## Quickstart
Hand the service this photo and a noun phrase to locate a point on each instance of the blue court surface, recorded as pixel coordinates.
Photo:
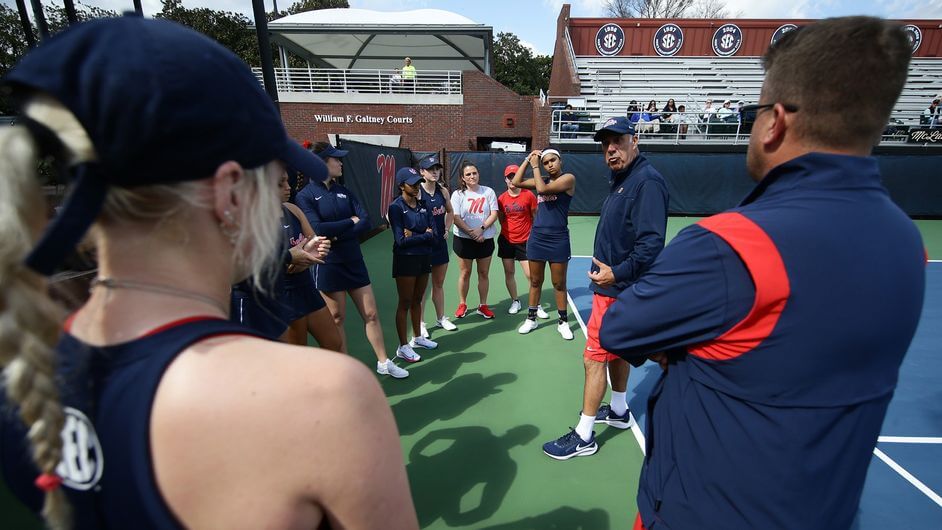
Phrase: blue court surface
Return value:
(904, 482)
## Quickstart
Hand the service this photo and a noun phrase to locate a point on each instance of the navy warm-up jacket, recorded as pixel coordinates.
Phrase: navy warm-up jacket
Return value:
(785, 321)
(329, 212)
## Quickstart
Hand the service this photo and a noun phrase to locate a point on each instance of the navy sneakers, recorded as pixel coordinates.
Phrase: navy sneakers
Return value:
(607, 416)
(570, 445)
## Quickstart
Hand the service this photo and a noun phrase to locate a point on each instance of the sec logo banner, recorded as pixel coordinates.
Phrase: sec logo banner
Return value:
(915, 36)
(727, 40)
(610, 39)
(781, 32)
(668, 40)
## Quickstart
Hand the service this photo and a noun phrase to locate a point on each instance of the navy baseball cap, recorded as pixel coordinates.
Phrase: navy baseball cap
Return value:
(617, 125)
(332, 152)
(409, 176)
(430, 162)
(161, 103)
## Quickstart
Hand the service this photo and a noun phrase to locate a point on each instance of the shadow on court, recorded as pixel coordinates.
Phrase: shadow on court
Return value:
(437, 366)
(565, 518)
(461, 475)
(449, 401)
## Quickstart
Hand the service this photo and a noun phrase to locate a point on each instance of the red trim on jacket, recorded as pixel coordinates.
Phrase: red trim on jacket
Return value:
(764, 263)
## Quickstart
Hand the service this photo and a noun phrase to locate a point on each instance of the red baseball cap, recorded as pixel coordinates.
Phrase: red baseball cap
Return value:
(511, 170)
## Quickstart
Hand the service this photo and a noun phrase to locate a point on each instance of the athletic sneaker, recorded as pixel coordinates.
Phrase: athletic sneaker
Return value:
(446, 324)
(390, 368)
(485, 311)
(607, 416)
(542, 314)
(422, 342)
(570, 445)
(406, 353)
(514, 307)
(423, 330)
(563, 329)
(527, 326)
(461, 311)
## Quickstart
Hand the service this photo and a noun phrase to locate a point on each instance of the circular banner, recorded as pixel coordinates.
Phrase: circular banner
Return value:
(727, 40)
(668, 40)
(610, 39)
(781, 31)
(915, 36)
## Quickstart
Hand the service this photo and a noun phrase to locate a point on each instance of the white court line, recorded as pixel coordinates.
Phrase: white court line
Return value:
(930, 261)
(909, 440)
(908, 476)
(635, 428)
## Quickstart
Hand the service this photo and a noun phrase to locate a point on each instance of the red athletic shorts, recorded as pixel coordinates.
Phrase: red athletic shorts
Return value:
(638, 524)
(593, 350)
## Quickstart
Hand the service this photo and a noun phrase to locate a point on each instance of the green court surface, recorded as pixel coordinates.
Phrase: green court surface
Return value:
(474, 412)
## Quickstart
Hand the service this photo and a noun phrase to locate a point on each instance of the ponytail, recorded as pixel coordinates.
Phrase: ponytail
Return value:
(29, 319)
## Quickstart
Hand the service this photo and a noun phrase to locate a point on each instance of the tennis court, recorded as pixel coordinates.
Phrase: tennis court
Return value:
(474, 414)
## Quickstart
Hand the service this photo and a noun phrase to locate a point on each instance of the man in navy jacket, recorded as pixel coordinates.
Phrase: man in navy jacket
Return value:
(630, 234)
(781, 324)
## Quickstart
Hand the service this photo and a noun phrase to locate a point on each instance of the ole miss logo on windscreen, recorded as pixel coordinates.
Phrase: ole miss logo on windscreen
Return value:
(386, 168)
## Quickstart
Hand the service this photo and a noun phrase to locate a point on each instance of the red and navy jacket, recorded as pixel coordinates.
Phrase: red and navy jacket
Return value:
(329, 211)
(785, 321)
(630, 233)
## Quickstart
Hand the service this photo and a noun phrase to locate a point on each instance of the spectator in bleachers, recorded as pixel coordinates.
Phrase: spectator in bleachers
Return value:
(669, 109)
(932, 116)
(650, 120)
(633, 112)
(739, 107)
(707, 112)
(725, 113)
(569, 123)
(683, 121)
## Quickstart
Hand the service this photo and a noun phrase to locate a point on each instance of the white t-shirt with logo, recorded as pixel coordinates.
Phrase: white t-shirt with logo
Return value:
(473, 207)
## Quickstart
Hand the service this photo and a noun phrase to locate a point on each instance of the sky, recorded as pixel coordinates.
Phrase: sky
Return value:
(534, 21)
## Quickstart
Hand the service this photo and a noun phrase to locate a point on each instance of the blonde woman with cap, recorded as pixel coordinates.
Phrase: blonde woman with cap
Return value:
(549, 238)
(438, 199)
(150, 409)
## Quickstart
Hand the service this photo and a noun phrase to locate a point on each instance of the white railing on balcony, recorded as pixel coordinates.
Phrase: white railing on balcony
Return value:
(364, 81)
(575, 126)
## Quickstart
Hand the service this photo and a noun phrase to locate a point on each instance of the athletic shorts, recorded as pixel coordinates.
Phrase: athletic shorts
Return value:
(549, 246)
(467, 248)
(302, 302)
(593, 350)
(347, 276)
(508, 250)
(410, 265)
(440, 253)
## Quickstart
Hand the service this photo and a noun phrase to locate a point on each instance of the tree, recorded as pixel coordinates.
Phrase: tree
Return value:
(225, 27)
(666, 8)
(517, 68)
(310, 5)
(13, 42)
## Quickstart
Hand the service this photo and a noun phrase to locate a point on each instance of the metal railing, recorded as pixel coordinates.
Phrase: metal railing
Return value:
(365, 81)
(573, 126)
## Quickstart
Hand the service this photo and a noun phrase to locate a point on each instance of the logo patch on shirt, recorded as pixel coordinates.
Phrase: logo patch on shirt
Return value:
(82, 460)
(341, 196)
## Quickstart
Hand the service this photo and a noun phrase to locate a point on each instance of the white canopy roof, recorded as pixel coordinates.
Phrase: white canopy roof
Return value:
(361, 38)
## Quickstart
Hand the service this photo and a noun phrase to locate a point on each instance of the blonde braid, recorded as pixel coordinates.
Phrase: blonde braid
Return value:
(29, 319)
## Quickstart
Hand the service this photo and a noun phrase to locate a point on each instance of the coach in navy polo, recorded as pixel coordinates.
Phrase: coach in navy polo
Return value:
(630, 234)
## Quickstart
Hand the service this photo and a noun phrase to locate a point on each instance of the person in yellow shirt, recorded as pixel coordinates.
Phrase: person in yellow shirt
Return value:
(408, 75)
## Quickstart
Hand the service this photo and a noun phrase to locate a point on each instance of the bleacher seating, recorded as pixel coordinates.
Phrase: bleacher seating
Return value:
(609, 83)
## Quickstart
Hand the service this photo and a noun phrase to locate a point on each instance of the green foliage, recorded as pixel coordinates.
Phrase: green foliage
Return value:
(13, 44)
(310, 5)
(227, 28)
(517, 68)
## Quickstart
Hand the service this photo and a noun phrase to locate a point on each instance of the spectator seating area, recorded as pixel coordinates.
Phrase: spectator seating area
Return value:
(608, 84)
